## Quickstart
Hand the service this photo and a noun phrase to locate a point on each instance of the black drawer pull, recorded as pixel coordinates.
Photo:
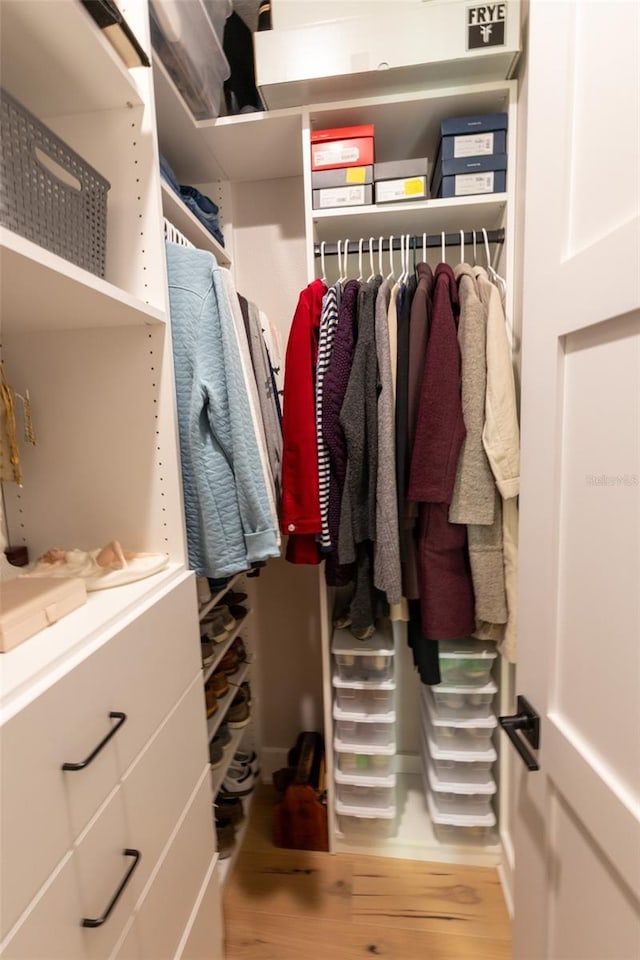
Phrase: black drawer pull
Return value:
(114, 715)
(97, 922)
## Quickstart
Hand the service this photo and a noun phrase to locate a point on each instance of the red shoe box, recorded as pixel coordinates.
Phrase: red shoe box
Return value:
(342, 147)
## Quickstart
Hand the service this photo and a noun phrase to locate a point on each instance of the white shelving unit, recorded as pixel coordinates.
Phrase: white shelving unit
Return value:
(224, 646)
(224, 702)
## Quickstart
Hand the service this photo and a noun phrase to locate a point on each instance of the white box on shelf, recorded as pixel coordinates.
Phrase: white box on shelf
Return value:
(464, 799)
(365, 759)
(468, 734)
(364, 698)
(466, 662)
(365, 791)
(364, 824)
(456, 702)
(364, 660)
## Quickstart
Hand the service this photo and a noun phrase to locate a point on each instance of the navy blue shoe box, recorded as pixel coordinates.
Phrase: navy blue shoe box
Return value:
(472, 158)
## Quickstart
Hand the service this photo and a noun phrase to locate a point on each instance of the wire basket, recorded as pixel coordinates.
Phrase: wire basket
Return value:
(48, 193)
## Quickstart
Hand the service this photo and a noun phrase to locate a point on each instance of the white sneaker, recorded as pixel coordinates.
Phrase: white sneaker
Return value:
(238, 782)
(246, 759)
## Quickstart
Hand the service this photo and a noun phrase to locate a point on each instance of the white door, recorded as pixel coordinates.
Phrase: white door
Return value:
(577, 833)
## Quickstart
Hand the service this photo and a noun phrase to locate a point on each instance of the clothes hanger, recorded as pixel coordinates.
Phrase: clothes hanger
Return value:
(360, 243)
(475, 250)
(392, 272)
(424, 248)
(346, 260)
(444, 255)
(322, 263)
(493, 274)
(462, 246)
(380, 242)
(339, 245)
(371, 263)
(413, 247)
(403, 258)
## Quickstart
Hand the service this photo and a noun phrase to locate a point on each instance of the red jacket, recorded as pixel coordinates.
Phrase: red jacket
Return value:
(300, 492)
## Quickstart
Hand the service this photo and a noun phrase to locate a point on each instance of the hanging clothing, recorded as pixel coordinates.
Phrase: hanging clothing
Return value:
(359, 420)
(419, 323)
(475, 498)
(446, 590)
(335, 387)
(387, 546)
(300, 488)
(266, 396)
(274, 350)
(229, 518)
(328, 324)
(501, 438)
(402, 407)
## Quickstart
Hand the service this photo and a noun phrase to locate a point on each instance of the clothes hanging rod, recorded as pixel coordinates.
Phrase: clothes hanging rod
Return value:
(433, 240)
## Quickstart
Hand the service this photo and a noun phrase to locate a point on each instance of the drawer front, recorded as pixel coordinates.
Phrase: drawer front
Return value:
(150, 663)
(206, 937)
(129, 948)
(51, 930)
(142, 672)
(164, 914)
(101, 868)
(157, 788)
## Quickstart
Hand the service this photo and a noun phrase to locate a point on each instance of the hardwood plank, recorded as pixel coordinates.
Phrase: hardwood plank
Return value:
(290, 883)
(425, 897)
(255, 935)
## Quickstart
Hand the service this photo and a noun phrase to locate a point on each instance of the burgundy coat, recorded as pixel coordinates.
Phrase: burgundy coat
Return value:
(446, 589)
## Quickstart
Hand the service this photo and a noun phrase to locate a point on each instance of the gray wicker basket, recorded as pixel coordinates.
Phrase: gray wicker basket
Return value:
(36, 203)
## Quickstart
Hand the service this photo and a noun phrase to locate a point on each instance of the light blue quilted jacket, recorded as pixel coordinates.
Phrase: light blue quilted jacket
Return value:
(228, 516)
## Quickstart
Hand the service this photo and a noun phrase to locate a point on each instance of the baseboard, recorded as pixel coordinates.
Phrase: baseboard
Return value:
(272, 759)
(506, 870)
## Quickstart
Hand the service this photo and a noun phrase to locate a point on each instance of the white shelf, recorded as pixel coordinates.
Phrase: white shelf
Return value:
(37, 663)
(235, 681)
(188, 224)
(423, 216)
(56, 60)
(224, 646)
(41, 291)
(218, 775)
(415, 839)
(256, 146)
(226, 866)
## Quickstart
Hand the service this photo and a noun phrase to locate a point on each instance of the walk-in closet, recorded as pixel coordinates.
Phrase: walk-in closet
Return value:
(164, 228)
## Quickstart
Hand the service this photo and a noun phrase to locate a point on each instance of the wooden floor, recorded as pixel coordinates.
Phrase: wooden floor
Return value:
(290, 905)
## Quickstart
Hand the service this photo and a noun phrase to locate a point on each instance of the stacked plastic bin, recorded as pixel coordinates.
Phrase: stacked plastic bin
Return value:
(457, 727)
(364, 735)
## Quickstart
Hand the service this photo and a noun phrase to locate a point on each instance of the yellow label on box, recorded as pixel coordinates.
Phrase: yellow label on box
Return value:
(411, 187)
(356, 175)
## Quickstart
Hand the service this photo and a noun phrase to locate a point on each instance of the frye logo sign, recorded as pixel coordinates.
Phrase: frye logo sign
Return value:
(485, 25)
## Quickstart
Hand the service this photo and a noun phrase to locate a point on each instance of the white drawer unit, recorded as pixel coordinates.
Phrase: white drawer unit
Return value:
(202, 940)
(98, 771)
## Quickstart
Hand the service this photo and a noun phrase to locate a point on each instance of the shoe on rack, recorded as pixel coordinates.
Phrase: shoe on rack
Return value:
(239, 649)
(363, 633)
(237, 611)
(213, 630)
(230, 663)
(247, 691)
(211, 701)
(231, 597)
(223, 734)
(228, 809)
(238, 782)
(222, 614)
(218, 684)
(216, 584)
(208, 652)
(247, 758)
(239, 713)
(226, 836)
(204, 592)
(216, 753)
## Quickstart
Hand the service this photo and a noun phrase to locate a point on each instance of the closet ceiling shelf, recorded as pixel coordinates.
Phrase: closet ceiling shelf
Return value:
(42, 291)
(256, 146)
(425, 216)
(56, 61)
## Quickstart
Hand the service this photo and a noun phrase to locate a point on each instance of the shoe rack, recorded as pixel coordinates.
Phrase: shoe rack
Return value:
(241, 737)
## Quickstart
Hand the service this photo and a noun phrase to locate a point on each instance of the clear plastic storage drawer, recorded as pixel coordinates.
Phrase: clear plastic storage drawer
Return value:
(456, 766)
(357, 697)
(448, 734)
(363, 791)
(369, 761)
(365, 661)
(466, 662)
(461, 829)
(461, 799)
(464, 702)
(362, 825)
(356, 730)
